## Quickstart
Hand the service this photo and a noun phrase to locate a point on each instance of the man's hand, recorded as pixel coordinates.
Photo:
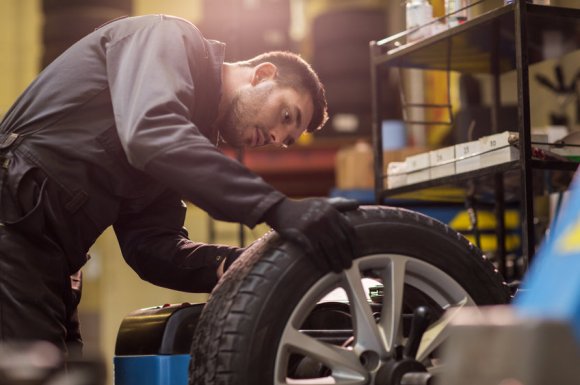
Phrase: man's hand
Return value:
(228, 260)
(319, 228)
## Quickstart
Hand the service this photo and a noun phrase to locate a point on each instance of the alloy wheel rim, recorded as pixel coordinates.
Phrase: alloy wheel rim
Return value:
(374, 341)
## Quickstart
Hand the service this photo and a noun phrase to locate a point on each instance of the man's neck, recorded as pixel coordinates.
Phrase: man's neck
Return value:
(233, 77)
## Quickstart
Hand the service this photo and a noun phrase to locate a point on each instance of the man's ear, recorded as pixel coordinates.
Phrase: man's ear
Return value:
(264, 71)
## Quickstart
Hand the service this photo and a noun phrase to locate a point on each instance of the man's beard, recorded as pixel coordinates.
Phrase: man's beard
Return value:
(229, 125)
(241, 111)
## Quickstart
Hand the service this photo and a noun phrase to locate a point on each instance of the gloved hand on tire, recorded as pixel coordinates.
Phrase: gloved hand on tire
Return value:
(229, 259)
(317, 225)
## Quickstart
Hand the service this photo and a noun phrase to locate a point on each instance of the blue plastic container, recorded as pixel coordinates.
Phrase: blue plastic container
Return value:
(153, 345)
(152, 370)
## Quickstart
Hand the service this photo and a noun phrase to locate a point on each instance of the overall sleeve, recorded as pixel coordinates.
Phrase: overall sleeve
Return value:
(156, 246)
(151, 77)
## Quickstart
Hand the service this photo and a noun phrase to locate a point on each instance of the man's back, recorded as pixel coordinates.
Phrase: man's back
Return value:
(69, 131)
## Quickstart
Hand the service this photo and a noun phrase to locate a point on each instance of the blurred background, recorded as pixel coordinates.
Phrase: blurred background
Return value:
(333, 35)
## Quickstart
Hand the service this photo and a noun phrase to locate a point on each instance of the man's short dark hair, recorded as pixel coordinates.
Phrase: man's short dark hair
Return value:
(295, 72)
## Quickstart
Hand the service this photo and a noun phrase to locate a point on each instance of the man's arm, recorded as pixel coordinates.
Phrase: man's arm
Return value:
(155, 245)
(152, 87)
(152, 80)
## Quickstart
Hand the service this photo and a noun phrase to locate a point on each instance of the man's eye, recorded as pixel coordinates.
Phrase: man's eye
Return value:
(288, 142)
(286, 116)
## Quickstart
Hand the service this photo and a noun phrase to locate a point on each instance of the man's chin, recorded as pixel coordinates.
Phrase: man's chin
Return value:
(234, 144)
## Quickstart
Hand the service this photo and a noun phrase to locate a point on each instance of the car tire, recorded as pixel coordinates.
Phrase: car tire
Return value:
(251, 326)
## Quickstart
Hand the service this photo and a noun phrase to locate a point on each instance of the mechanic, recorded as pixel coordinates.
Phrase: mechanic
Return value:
(117, 131)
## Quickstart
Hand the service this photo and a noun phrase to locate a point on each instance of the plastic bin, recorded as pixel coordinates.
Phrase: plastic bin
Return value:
(153, 345)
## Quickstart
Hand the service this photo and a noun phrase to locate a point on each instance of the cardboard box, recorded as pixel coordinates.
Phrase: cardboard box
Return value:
(354, 167)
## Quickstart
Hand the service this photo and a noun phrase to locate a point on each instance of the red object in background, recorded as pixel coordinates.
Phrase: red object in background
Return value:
(298, 171)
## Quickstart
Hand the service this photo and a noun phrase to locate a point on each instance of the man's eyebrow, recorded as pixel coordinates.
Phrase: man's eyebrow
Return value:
(298, 117)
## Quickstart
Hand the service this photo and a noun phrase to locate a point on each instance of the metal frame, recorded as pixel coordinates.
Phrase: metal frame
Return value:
(387, 53)
(521, 30)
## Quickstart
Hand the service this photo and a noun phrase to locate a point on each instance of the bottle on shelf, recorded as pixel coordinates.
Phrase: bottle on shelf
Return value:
(418, 13)
(456, 11)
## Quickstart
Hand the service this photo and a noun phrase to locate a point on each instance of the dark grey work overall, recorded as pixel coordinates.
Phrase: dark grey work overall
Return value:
(116, 132)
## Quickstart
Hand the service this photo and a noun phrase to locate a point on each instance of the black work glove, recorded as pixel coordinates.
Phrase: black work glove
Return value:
(325, 234)
(232, 256)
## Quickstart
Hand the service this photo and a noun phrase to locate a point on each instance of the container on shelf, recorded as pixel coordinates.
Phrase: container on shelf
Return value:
(468, 156)
(417, 168)
(498, 148)
(456, 11)
(442, 162)
(396, 174)
(418, 13)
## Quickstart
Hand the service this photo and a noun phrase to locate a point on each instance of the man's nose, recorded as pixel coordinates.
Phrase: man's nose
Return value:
(276, 137)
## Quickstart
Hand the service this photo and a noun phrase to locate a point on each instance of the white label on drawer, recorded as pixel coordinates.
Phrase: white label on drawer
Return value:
(466, 150)
(492, 142)
(442, 156)
(417, 162)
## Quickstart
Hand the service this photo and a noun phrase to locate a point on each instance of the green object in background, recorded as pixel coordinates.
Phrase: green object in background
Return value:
(376, 293)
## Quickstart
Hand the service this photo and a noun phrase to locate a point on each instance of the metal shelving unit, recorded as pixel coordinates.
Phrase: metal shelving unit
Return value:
(509, 38)
(452, 179)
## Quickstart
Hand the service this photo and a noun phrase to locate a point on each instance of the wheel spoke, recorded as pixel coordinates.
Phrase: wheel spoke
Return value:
(310, 381)
(366, 331)
(383, 336)
(438, 332)
(344, 364)
(322, 381)
(391, 314)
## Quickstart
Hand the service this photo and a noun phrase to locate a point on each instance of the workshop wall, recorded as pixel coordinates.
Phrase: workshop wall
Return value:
(20, 29)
